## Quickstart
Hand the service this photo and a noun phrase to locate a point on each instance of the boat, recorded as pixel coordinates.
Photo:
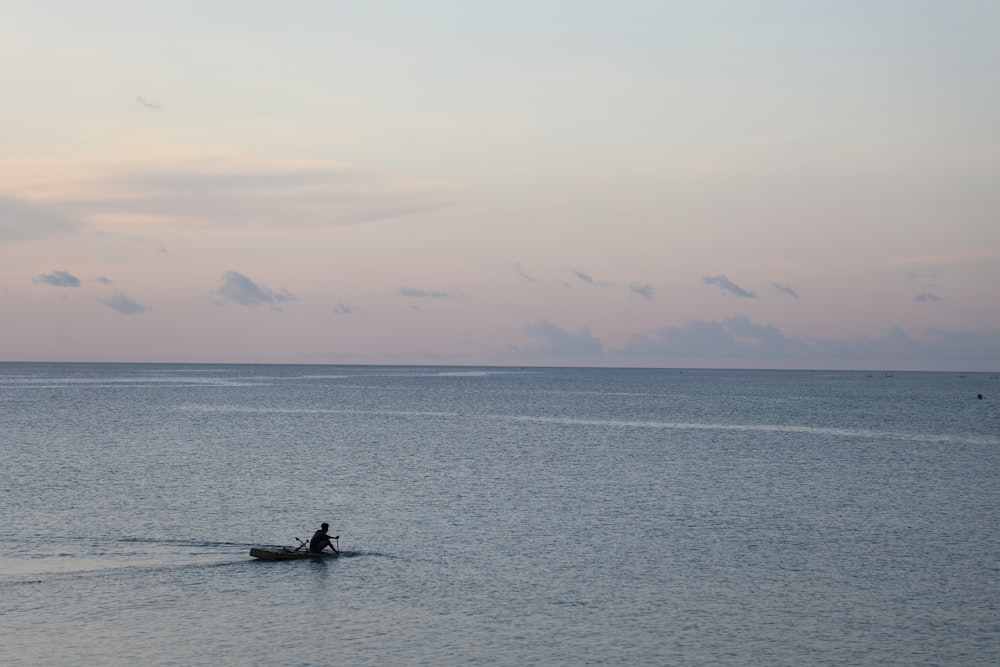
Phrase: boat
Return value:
(298, 553)
(284, 553)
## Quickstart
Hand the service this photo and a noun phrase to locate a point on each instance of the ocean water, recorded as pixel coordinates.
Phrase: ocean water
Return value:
(498, 516)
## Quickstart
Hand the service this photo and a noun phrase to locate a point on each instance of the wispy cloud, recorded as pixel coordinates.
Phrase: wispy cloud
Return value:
(589, 280)
(124, 304)
(521, 272)
(21, 221)
(344, 309)
(148, 104)
(237, 288)
(289, 195)
(157, 247)
(57, 279)
(726, 285)
(928, 283)
(645, 291)
(423, 294)
(785, 290)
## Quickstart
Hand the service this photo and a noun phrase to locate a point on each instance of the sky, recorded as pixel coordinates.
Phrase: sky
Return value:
(794, 184)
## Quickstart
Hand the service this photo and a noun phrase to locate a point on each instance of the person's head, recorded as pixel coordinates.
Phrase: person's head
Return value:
(325, 527)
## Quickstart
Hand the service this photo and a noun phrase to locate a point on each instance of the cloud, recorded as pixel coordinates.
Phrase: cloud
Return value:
(556, 341)
(960, 346)
(735, 337)
(20, 221)
(124, 304)
(285, 195)
(935, 345)
(423, 294)
(785, 290)
(157, 246)
(645, 291)
(740, 341)
(57, 279)
(590, 281)
(521, 272)
(239, 289)
(148, 104)
(928, 282)
(344, 309)
(726, 285)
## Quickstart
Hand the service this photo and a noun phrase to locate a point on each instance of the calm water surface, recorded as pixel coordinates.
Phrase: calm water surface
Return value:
(498, 516)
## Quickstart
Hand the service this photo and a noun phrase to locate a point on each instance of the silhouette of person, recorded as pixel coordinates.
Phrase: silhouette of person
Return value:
(320, 540)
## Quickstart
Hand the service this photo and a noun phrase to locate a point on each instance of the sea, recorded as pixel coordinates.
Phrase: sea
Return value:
(498, 516)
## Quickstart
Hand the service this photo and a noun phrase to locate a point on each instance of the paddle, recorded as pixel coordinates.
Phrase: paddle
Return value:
(303, 543)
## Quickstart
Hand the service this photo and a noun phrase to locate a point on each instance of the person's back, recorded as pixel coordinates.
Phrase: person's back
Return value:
(320, 540)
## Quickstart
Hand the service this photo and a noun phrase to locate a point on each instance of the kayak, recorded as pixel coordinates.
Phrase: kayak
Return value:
(284, 553)
(298, 553)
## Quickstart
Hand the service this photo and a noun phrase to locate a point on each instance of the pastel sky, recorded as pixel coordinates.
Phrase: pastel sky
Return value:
(690, 183)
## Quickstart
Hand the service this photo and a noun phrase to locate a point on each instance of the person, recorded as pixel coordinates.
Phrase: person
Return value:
(320, 540)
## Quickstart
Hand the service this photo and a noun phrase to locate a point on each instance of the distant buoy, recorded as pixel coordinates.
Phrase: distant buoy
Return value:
(980, 397)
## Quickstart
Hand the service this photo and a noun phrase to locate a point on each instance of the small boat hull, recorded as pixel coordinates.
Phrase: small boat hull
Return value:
(282, 553)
